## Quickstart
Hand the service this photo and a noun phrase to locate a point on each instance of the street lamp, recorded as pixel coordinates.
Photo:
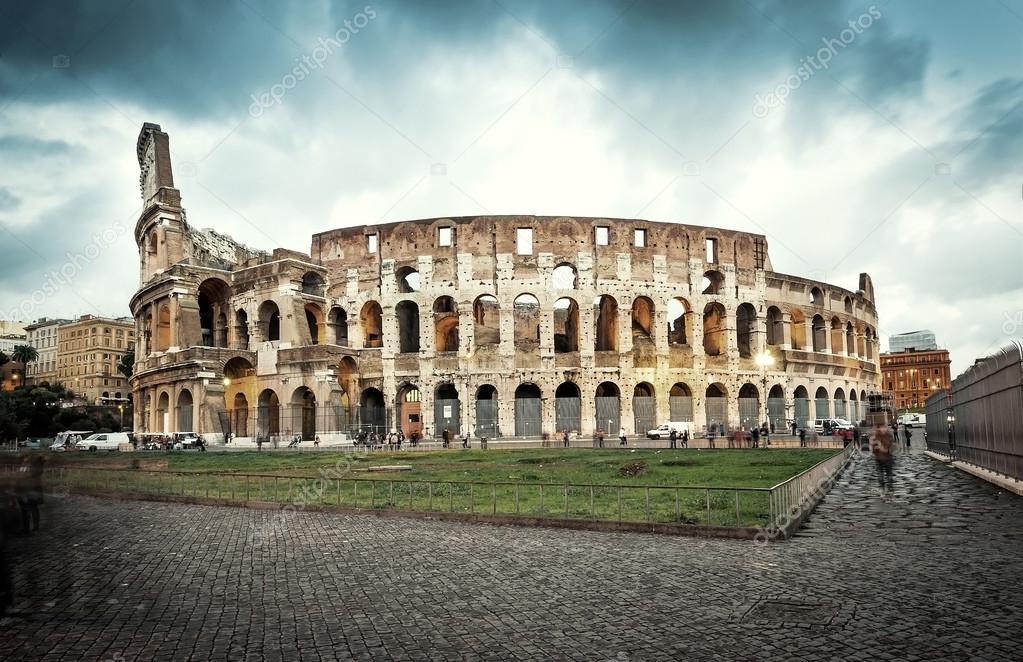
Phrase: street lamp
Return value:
(227, 381)
(765, 361)
(120, 408)
(950, 417)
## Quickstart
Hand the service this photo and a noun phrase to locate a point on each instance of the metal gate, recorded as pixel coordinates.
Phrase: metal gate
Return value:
(527, 417)
(446, 417)
(486, 419)
(802, 411)
(776, 413)
(681, 408)
(567, 414)
(185, 418)
(821, 407)
(607, 415)
(644, 414)
(839, 408)
(372, 418)
(749, 413)
(717, 414)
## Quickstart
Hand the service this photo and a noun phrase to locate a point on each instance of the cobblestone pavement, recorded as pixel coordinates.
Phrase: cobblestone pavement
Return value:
(936, 573)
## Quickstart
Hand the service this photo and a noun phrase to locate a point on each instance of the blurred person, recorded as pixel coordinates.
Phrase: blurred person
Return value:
(673, 439)
(30, 492)
(881, 443)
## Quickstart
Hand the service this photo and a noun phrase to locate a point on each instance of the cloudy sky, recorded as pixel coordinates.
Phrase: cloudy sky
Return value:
(894, 146)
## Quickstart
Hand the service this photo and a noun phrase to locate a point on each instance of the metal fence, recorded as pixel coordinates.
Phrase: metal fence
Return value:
(749, 413)
(607, 415)
(938, 411)
(681, 408)
(802, 411)
(644, 413)
(987, 413)
(567, 414)
(528, 421)
(771, 509)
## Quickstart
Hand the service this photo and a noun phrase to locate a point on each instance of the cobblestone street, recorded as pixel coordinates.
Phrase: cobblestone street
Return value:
(937, 573)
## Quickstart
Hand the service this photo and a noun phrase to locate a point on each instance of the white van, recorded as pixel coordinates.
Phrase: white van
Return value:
(664, 430)
(913, 420)
(103, 441)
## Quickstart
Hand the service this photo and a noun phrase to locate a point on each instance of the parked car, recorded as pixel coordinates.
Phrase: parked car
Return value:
(103, 441)
(913, 420)
(185, 440)
(664, 430)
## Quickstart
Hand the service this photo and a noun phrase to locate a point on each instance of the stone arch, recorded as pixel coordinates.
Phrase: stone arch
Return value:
(816, 297)
(372, 411)
(408, 280)
(314, 320)
(163, 412)
(184, 411)
(527, 319)
(486, 317)
(214, 300)
(713, 282)
(822, 404)
(714, 329)
(680, 403)
(337, 325)
(607, 408)
(840, 405)
(605, 319)
(837, 335)
(313, 284)
(848, 304)
(407, 314)
(775, 326)
(566, 325)
(680, 322)
(445, 324)
(238, 367)
(565, 277)
(567, 408)
(487, 411)
(303, 413)
(269, 321)
(745, 329)
(239, 415)
(850, 339)
(749, 406)
(372, 325)
(798, 330)
(644, 408)
(268, 414)
(348, 374)
(241, 329)
(163, 328)
(716, 408)
(819, 330)
(409, 409)
(528, 412)
(642, 317)
(447, 408)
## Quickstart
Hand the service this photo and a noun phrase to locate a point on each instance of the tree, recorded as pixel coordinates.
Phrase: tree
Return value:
(24, 354)
(127, 364)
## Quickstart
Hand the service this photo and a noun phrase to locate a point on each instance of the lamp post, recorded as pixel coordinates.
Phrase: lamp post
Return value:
(950, 417)
(765, 361)
(120, 408)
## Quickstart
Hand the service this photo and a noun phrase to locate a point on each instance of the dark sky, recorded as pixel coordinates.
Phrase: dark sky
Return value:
(896, 149)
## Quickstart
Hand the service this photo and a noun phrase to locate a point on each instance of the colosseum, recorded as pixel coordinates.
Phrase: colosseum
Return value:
(494, 326)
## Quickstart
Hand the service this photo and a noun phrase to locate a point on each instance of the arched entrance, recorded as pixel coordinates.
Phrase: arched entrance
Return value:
(680, 404)
(185, 411)
(163, 413)
(749, 407)
(840, 403)
(567, 408)
(776, 407)
(486, 411)
(802, 404)
(644, 408)
(268, 415)
(716, 405)
(410, 417)
(527, 410)
(446, 411)
(303, 413)
(372, 412)
(821, 404)
(240, 415)
(607, 409)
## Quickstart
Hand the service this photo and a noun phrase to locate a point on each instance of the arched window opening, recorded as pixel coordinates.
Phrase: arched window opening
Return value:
(407, 313)
(798, 330)
(372, 327)
(680, 322)
(314, 320)
(337, 323)
(214, 299)
(565, 277)
(270, 321)
(816, 297)
(445, 324)
(312, 283)
(713, 282)
(714, 329)
(837, 336)
(486, 317)
(566, 326)
(745, 329)
(408, 279)
(527, 320)
(775, 326)
(605, 335)
(642, 317)
(241, 329)
(820, 331)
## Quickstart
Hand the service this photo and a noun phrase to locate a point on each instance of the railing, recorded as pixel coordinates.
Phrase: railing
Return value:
(938, 424)
(793, 500)
(740, 507)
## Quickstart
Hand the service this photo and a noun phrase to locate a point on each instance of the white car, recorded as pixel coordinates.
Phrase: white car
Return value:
(103, 441)
(913, 420)
(664, 430)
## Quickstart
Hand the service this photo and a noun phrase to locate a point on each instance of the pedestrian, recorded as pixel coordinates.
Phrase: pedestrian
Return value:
(483, 443)
(710, 434)
(600, 438)
(673, 439)
(765, 434)
(445, 438)
(201, 443)
(794, 428)
(909, 435)
(755, 434)
(316, 442)
(29, 492)
(564, 438)
(259, 443)
(622, 440)
(881, 443)
(685, 439)
(466, 443)
(802, 437)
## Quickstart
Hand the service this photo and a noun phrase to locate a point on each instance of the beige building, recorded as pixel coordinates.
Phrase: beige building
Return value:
(489, 325)
(42, 334)
(88, 351)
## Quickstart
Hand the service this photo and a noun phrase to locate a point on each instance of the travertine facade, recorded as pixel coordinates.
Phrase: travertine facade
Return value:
(492, 325)
(88, 352)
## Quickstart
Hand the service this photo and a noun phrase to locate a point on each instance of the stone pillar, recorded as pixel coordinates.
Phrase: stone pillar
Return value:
(786, 331)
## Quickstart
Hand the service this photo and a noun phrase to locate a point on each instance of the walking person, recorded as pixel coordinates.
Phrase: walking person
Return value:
(446, 438)
(685, 439)
(316, 442)
(673, 439)
(755, 435)
(881, 443)
(908, 434)
(622, 440)
(802, 437)
(564, 438)
(600, 438)
(794, 426)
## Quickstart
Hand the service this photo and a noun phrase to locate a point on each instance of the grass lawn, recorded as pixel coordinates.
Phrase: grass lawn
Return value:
(533, 482)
